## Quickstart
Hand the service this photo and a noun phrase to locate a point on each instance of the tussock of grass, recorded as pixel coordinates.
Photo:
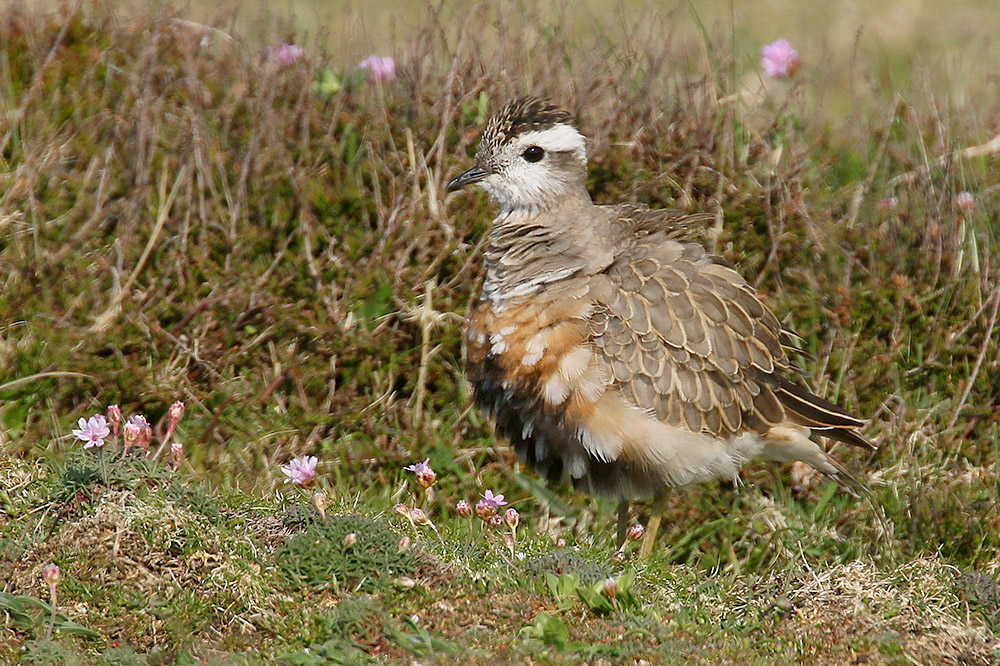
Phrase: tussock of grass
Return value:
(320, 557)
(180, 217)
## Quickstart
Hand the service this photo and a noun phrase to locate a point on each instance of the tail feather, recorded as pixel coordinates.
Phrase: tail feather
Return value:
(819, 414)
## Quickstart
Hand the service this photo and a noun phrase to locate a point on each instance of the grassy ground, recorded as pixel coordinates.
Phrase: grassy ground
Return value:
(181, 218)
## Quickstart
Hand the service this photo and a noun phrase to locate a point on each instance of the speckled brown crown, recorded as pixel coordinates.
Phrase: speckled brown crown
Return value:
(525, 114)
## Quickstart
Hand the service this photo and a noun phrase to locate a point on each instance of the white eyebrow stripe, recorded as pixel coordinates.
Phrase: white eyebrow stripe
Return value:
(557, 139)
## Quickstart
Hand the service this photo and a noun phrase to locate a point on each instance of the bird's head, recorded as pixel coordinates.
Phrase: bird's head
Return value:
(530, 157)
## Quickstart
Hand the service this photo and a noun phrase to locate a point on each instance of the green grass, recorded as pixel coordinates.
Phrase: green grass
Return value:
(181, 219)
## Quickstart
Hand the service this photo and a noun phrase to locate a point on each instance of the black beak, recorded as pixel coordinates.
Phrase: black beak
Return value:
(473, 175)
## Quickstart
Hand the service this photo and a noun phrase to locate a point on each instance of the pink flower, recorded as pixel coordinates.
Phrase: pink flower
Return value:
(425, 475)
(495, 500)
(965, 200)
(779, 59)
(485, 510)
(286, 54)
(137, 431)
(93, 430)
(486, 507)
(380, 68)
(300, 471)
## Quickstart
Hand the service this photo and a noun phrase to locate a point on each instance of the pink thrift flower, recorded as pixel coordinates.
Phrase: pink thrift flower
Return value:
(485, 510)
(779, 59)
(137, 431)
(463, 509)
(93, 430)
(495, 500)
(425, 475)
(286, 54)
(380, 68)
(965, 200)
(300, 471)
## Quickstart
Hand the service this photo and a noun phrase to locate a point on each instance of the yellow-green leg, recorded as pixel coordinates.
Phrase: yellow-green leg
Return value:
(655, 516)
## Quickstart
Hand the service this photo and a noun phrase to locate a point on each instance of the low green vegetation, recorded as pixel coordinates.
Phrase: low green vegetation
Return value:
(190, 214)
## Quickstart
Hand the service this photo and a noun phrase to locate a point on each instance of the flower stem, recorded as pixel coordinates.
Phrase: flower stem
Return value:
(52, 616)
(104, 469)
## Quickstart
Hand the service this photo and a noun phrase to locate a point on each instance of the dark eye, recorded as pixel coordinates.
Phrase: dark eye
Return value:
(533, 153)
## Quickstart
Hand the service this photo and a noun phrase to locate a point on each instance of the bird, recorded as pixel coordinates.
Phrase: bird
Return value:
(611, 348)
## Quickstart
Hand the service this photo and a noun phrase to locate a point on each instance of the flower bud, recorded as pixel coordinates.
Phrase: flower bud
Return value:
(508, 541)
(404, 543)
(965, 200)
(51, 574)
(350, 540)
(319, 501)
(463, 509)
(512, 518)
(635, 532)
(560, 543)
(419, 516)
(618, 556)
(176, 411)
(401, 510)
(114, 415)
(496, 520)
(406, 582)
(610, 588)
